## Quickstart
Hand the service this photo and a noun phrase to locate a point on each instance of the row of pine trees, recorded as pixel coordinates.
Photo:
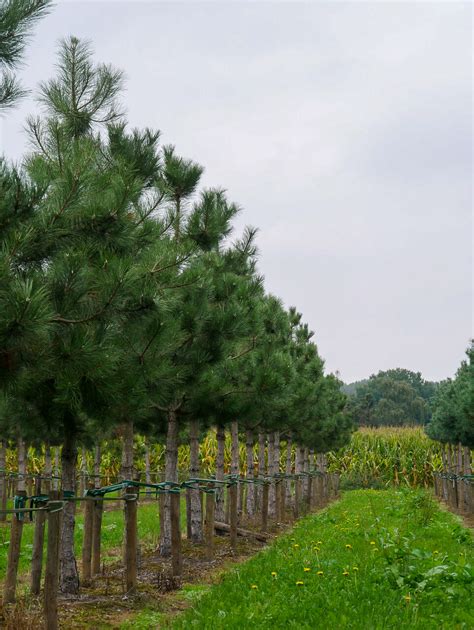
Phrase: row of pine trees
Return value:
(127, 303)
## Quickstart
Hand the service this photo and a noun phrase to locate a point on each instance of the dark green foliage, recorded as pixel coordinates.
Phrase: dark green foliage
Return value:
(453, 414)
(124, 299)
(393, 398)
(17, 17)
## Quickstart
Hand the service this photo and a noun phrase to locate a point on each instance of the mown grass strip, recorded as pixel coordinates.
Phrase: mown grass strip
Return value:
(376, 559)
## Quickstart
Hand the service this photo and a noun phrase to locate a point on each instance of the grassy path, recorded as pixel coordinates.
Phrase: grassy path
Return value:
(375, 560)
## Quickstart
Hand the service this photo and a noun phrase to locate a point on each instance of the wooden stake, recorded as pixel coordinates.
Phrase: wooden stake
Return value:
(130, 541)
(460, 485)
(3, 480)
(87, 542)
(176, 556)
(37, 554)
(264, 507)
(234, 515)
(51, 580)
(309, 493)
(282, 501)
(9, 590)
(297, 497)
(209, 525)
(278, 485)
(98, 511)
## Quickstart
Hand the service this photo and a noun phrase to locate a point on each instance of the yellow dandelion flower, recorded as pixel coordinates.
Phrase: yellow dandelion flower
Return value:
(254, 586)
(348, 546)
(299, 583)
(345, 573)
(296, 546)
(320, 542)
(435, 553)
(306, 569)
(320, 573)
(355, 568)
(316, 549)
(274, 573)
(407, 598)
(372, 542)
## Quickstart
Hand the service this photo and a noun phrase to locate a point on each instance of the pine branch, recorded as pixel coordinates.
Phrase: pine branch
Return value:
(244, 352)
(170, 265)
(62, 320)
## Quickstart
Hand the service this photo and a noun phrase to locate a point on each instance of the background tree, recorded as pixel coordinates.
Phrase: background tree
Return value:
(395, 397)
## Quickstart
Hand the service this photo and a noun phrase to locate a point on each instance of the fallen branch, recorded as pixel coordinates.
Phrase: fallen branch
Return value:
(223, 527)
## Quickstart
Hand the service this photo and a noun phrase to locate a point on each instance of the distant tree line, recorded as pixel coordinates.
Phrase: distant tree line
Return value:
(395, 397)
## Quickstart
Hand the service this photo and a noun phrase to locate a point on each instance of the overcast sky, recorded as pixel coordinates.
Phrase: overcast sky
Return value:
(344, 130)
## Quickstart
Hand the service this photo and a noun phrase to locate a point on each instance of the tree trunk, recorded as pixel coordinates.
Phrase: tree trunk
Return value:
(194, 494)
(261, 466)
(276, 471)
(469, 488)
(459, 482)
(234, 450)
(306, 478)
(271, 472)
(234, 489)
(312, 479)
(298, 484)
(83, 476)
(14, 548)
(3, 479)
(250, 507)
(127, 451)
(68, 574)
(288, 471)
(220, 509)
(171, 474)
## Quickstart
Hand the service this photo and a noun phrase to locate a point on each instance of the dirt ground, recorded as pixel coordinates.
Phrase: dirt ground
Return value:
(105, 605)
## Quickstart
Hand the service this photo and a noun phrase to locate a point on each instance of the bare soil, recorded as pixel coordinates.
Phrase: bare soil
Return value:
(105, 605)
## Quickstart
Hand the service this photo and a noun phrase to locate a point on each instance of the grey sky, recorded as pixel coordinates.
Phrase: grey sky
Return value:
(344, 131)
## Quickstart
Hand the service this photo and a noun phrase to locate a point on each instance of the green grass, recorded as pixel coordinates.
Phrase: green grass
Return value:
(388, 559)
(112, 535)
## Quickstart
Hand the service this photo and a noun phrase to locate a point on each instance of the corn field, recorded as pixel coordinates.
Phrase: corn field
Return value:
(383, 456)
(374, 457)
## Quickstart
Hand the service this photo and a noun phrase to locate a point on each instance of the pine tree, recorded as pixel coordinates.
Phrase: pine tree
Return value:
(453, 415)
(17, 18)
(81, 241)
